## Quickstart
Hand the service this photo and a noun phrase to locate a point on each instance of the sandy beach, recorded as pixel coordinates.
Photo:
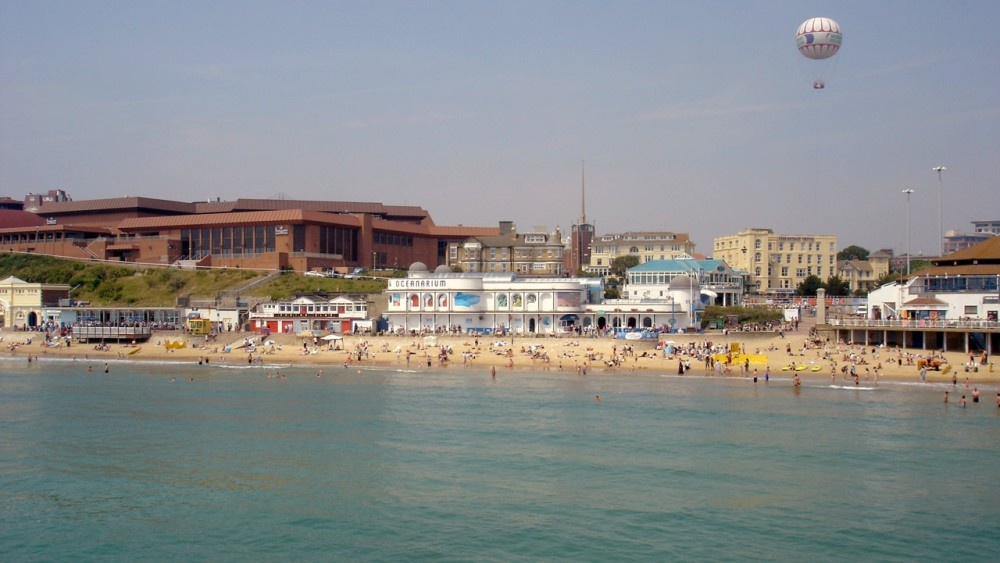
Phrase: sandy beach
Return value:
(783, 355)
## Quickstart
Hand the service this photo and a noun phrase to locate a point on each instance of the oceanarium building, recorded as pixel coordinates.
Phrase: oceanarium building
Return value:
(489, 303)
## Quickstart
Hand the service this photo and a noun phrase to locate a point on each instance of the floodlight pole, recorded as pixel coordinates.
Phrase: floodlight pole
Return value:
(939, 170)
(907, 192)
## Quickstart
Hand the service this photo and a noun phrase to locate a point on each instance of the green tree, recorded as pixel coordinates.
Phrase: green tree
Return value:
(837, 287)
(917, 265)
(853, 252)
(888, 278)
(622, 263)
(809, 286)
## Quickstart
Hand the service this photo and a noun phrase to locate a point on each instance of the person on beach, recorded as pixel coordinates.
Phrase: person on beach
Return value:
(597, 398)
(946, 396)
(998, 400)
(975, 395)
(963, 402)
(106, 368)
(493, 372)
(923, 374)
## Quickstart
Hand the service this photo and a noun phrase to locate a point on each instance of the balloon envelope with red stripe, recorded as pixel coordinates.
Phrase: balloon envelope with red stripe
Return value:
(819, 38)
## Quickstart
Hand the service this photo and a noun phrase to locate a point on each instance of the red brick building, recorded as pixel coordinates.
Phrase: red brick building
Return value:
(249, 233)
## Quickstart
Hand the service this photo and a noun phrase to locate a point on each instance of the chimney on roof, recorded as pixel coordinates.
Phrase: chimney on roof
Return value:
(507, 228)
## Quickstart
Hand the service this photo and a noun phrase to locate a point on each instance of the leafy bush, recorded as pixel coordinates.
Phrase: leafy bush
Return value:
(742, 314)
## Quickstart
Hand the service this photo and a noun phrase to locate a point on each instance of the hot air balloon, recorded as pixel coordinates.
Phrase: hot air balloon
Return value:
(818, 39)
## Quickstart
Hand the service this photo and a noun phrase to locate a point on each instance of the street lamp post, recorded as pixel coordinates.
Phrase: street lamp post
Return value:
(939, 170)
(746, 264)
(907, 192)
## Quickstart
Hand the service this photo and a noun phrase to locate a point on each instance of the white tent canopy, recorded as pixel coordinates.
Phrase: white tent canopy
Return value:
(332, 337)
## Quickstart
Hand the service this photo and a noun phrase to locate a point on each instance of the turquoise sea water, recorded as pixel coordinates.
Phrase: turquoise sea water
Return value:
(450, 465)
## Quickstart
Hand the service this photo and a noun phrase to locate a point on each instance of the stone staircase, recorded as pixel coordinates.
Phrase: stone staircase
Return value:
(231, 298)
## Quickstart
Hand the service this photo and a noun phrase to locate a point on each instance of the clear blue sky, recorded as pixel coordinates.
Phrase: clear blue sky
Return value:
(693, 117)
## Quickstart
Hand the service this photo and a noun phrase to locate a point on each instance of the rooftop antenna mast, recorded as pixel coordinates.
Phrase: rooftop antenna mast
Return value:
(583, 193)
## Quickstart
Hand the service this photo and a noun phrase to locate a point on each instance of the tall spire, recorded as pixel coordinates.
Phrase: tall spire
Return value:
(583, 194)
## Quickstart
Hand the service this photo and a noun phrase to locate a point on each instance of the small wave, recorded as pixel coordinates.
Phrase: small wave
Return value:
(253, 366)
(852, 387)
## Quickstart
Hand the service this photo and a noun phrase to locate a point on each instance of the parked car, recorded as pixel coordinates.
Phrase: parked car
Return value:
(356, 272)
(313, 274)
(332, 274)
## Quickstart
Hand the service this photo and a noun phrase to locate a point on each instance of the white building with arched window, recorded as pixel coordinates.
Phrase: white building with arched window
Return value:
(443, 301)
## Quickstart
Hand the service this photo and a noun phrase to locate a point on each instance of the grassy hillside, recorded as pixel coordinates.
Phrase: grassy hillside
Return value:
(290, 284)
(103, 284)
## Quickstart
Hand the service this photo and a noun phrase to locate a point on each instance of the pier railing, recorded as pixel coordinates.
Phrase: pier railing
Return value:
(944, 324)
